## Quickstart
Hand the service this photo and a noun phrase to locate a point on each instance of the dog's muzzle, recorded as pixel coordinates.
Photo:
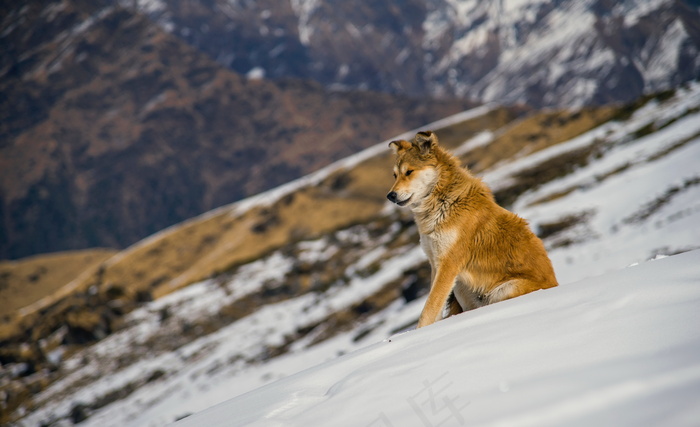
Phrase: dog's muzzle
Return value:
(395, 198)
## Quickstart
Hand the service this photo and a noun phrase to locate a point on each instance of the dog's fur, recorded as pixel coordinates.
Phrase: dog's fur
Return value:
(479, 252)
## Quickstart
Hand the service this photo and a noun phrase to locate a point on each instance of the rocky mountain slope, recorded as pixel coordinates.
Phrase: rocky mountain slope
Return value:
(326, 267)
(112, 129)
(564, 53)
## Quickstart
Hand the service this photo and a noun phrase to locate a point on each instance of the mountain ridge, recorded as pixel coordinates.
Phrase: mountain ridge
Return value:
(566, 54)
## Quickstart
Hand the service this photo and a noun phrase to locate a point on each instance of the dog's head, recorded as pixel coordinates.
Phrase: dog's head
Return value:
(415, 169)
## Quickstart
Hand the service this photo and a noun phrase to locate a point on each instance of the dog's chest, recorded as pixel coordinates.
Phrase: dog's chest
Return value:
(437, 243)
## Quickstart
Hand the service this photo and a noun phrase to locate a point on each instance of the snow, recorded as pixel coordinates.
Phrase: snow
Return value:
(212, 365)
(587, 45)
(652, 113)
(664, 53)
(479, 140)
(633, 10)
(619, 349)
(150, 6)
(304, 9)
(256, 73)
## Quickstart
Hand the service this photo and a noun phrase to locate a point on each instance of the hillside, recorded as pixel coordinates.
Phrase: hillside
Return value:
(601, 351)
(112, 129)
(604, 188)
(27, 281)
(564, 53)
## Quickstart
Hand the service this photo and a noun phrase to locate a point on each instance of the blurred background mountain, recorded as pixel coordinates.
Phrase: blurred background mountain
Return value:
(112, 129)
(119, 118)
(542, 53)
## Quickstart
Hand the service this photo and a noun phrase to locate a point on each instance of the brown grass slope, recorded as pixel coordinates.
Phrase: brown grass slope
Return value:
(27, 281)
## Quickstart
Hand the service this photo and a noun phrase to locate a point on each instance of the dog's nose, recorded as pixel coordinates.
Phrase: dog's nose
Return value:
(392, 196)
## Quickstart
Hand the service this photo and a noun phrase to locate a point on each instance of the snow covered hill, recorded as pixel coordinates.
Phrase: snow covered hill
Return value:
(617, 194)
(619, 349)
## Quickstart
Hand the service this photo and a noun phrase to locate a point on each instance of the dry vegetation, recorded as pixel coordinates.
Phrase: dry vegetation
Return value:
(535, 133)
(27, 281)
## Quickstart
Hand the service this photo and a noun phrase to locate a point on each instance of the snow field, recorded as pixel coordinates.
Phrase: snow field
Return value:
(619, 349)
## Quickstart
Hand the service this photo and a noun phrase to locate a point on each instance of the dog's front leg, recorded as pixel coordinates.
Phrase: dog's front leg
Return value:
(439, 292)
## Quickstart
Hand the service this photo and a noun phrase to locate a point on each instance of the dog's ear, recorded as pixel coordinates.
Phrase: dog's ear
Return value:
(399, 145)
(426, 141)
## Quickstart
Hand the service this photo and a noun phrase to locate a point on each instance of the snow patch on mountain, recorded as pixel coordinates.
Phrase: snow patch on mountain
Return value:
(657, 55)
(304, 9)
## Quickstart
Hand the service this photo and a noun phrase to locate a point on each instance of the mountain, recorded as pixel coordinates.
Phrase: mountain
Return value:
(322, 266)
(112, 129)
(565, 53)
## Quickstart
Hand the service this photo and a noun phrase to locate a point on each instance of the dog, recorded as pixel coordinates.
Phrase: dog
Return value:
(479, 252)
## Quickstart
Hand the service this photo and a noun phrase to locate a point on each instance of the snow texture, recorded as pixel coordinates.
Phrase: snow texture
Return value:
(619, 349)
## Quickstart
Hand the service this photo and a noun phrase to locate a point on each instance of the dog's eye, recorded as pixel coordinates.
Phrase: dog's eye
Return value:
(394, 175)
(408, 172)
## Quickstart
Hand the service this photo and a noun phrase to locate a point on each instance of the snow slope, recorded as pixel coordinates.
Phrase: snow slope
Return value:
(618, 349)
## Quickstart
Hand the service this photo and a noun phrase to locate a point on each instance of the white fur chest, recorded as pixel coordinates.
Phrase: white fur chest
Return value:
(437, 243)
